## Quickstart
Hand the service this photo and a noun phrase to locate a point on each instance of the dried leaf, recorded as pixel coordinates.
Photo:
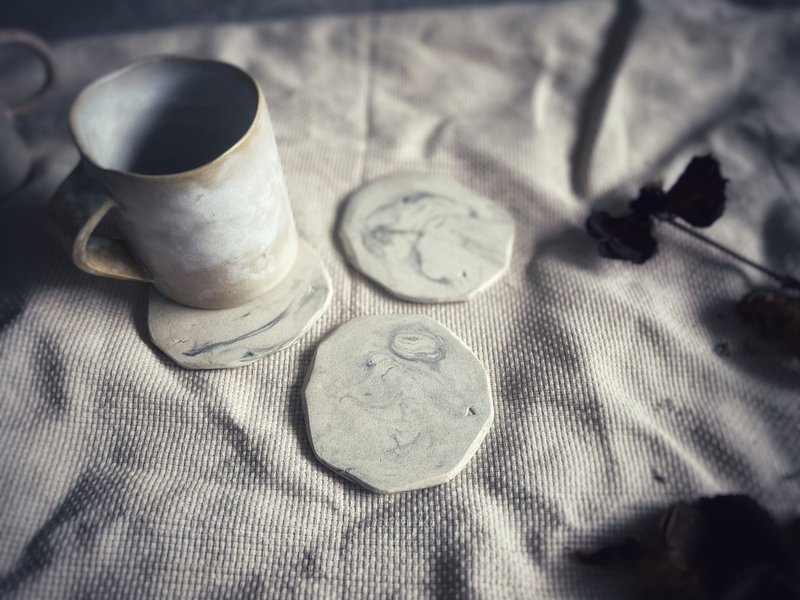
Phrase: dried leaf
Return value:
(698, 197)
(720, 547)
(776, 313)
(629, 237)
(651, 200)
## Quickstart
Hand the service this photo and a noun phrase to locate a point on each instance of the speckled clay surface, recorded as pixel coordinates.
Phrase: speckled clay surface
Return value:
(396, 402)
(234, 337)
(426, 238)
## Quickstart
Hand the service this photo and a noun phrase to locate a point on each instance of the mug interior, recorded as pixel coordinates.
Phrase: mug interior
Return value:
(165, 116)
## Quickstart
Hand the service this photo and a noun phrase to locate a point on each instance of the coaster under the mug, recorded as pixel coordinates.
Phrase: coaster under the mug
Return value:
(234, 337)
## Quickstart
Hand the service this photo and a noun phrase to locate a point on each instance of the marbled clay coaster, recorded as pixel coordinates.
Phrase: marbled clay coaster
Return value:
(396, 403)
(426, 238)
(233, 337)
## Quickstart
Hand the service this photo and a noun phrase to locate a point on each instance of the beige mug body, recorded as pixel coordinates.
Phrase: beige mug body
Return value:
(184, 152)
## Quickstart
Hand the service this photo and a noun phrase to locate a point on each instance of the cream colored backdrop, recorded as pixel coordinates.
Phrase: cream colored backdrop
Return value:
(618, 388)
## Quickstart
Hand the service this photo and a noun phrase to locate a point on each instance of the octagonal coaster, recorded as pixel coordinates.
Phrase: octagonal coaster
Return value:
(396, 402)
(426, 238)
(233, 337)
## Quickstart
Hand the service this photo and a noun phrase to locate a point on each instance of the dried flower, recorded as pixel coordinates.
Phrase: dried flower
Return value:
(718, 547)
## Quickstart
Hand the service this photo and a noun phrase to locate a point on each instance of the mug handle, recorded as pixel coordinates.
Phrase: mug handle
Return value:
(77, 206)
(42, 50)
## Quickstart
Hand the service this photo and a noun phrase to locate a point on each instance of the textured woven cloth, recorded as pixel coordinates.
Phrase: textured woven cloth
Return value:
(618, 389)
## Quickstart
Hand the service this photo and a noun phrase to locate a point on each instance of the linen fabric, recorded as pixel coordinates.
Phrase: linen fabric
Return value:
(618, 389)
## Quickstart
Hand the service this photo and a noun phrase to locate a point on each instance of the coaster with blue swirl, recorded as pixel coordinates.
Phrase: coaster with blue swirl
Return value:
(427, 238)
(234, 337)
(396, 403)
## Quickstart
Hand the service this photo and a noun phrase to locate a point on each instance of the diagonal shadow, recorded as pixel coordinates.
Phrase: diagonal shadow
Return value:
(618, 40)
(94, 493)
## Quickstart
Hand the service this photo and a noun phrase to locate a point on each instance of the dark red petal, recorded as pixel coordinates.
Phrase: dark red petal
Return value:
(651, 200)
(625, 238)
(698, 197)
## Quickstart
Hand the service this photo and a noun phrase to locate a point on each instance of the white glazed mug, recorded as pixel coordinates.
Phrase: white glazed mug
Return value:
(15, 158)
(185, 151)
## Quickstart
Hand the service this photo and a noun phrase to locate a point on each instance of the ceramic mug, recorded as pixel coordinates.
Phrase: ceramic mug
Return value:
(15, 159)
(185, 152)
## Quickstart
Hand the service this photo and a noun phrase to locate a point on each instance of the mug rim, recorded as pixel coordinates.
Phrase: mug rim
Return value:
(81, 97)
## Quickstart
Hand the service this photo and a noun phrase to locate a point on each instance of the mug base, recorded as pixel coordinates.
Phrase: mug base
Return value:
(235, 337)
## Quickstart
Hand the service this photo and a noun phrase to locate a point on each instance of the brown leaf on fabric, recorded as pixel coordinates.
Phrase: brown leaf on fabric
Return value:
(718, 547)
(776, 313)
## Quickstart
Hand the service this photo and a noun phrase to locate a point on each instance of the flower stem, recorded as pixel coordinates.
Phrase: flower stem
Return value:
(785, 280)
